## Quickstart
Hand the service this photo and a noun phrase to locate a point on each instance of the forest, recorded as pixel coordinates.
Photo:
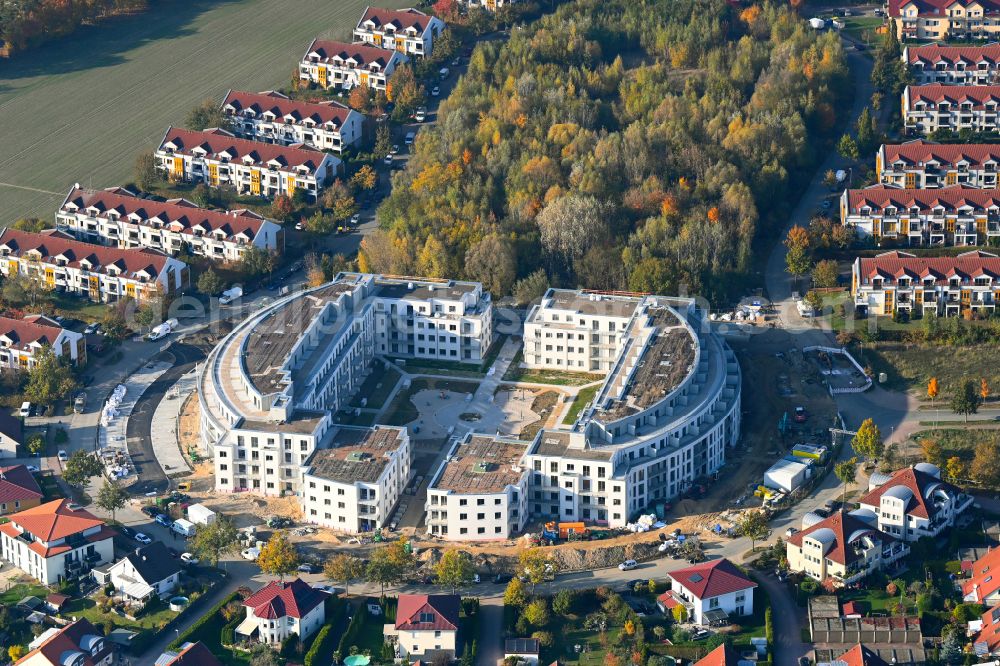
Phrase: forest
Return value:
(26, 23)
(617, 144)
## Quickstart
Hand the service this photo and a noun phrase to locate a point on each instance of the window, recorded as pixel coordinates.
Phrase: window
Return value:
(428, 618)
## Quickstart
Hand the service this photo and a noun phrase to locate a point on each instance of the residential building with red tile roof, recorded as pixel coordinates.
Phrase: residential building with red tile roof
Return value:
(897, 281)
(219, 159)
(76, 644)
(119, 218)
(18, 488)
(103, 274)
(976, 65)
(711, 588)
(859, 655)
(190, 654)
(946, 216)
(987, 639)
(274, 118)
(55, 541)
(724, 655)
(983, 587)
(22, 339)
(928, 20)
(426, 626)
(408, 31)
(339, 65)
(282, 608)
(920, 164)
(843, 548)
(914, 502)
(934, 107)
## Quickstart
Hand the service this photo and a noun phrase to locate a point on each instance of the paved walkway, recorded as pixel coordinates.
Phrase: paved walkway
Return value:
(163, 427)
(788, 621)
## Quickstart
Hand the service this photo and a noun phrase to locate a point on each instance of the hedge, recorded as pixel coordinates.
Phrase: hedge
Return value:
(323, 643)
(202, 622)
(353, 629)
(228, 635)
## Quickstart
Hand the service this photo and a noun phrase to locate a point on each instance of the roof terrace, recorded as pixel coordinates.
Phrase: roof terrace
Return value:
(482, 464)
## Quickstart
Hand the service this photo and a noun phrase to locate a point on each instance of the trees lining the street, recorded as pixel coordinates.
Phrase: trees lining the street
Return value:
(966, 399)
(111, 497)
(278, 557)
(213, 541)
(868, 441)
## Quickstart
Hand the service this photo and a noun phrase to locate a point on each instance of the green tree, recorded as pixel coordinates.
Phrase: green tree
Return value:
(535, 565)
(32, 224)
(212, 542)
(531, 288)
(79, 469)
(562, 603)
(210, 283)
(113, 325)
(365, 178)
(985, 467)
(384, 568)
(825, 274)
(262, 654)
(50, 379)
(815, 300)
(868, 441)
(867, 139)
(147, 176)
(36, 445)
(344, 568)
(278, 557)
(680, 614)
(491, 261)
(966, 399)
(454, 569)
(537, 613)
(848, 148)
(383, 140)
(21, 290)
(205, 115)
(846, 471)
(514, 595)
(256, 261)
(318, 223)
(111, 497)
(753, 525)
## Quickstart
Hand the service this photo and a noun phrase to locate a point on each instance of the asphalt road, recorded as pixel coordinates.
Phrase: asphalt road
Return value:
(140, 446)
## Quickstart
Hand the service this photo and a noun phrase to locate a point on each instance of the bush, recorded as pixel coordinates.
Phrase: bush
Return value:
(347, 640)
(205, 620)
(290, 646)
(228, 634)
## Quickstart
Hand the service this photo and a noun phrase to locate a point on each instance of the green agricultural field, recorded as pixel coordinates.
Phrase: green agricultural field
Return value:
(80, 109)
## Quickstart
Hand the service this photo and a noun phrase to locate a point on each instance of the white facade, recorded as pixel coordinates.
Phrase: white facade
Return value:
(130, 583)
(922, 164)
(344, 66)
(22, 339)
(218, 159)
(416, 643)
(118, 218)
(408, 31)
(954, 65)
(479, 492)
(927, 109)
(274, 118)
(914, 502)
(354, 485)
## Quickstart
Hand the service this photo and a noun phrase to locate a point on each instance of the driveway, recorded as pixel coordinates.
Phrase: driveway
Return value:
(490, 641)
(788, 620)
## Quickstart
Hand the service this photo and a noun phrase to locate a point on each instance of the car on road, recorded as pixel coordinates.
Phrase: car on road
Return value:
(410, 137)
(151, 511)
(79, 403)
(456, 62)
(128, 532)
(435, 91)
(298, 226)
(323, 587)
(62, 455)
(308, 568)
(826, 204)
(92, 328)
(356, 219)
(628, 565)
(444, 72)
(142, 538)
(394, 150)
(163, 519)
(387, 160)
(800, 414)
(250, 553)
(188, 558)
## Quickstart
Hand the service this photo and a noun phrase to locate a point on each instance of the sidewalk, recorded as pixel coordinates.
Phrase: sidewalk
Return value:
(163, 428)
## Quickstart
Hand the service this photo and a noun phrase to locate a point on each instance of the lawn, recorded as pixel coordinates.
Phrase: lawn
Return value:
(86, 104)
(862, 28)
(582, 399)
(959, 442)
(377, 387)
(910, 366)
(515, 373)
(87, 608)
(403, 411)
(22, 590)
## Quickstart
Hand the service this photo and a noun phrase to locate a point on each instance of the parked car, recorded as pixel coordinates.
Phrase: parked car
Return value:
(800, 414)
(410, 136)
(128, 532)
(791, 531)
(435, 91)
(32, 469)
(250, 553)
(163, 519)
(628, 565)
(151, 511)
(308, 568)
(142, 538)
(92, 328)
(298, 226)
(277, 522)
(62, 455)
(356, 219)
(444, 72)
(188, 558)
(387, 160)
(25, 410)
(476, 580)
(701, 635)
(79, 403)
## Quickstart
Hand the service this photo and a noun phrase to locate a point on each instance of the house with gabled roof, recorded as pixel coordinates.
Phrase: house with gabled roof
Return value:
(18, 488)
(914, 502)
(408, 31)
(897, 281)
(220, 159)
(339, 65)
(724, 655)
(22, 339)
(102, 274)
(426, 626)
(145, 572)
(929, 108)
(920, 164)
(280, 609)
(972, 65)
(117, 217)
(983, 586)
(843, 548)
(76, 644)
(274, 118)
(190, 654)
(929, 20)
(55, 541)
(951, 216)
(711, 592)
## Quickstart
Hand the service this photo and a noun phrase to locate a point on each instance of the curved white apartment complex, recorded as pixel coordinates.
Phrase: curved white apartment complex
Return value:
(269, 390)
(668, 408)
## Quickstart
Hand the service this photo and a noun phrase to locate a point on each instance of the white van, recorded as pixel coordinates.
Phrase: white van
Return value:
(183, 527)
(410, 136)
(25, 410)
(444, 72)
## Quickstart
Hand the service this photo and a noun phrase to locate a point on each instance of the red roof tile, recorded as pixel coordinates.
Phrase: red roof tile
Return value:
(439, 612)
(845, 529)
(711, 579)
(920, 152)
(920, 484)
(80, 636)
(362, 54)
(897, 264)
(720, 656)
(859, 655)
(55, 520)
(280, 599)
(879, 197)
(990, 633)
(23, 334)
(18, 484)
(985, 578)
(978, 95)
(216, 141)
(281, 106)
(194, 654)
(400, 18)
(935, 53)
(100, 257)
(179, 214)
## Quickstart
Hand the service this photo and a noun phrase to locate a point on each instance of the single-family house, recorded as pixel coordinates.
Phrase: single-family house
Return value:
(148, 570)
(18, 488)
(723, 655)
(426, 626)
(280, 609)
(711, 592)
(984, 585)
(525, 650)
(190, 654)
(76, 644)
(914, 502)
